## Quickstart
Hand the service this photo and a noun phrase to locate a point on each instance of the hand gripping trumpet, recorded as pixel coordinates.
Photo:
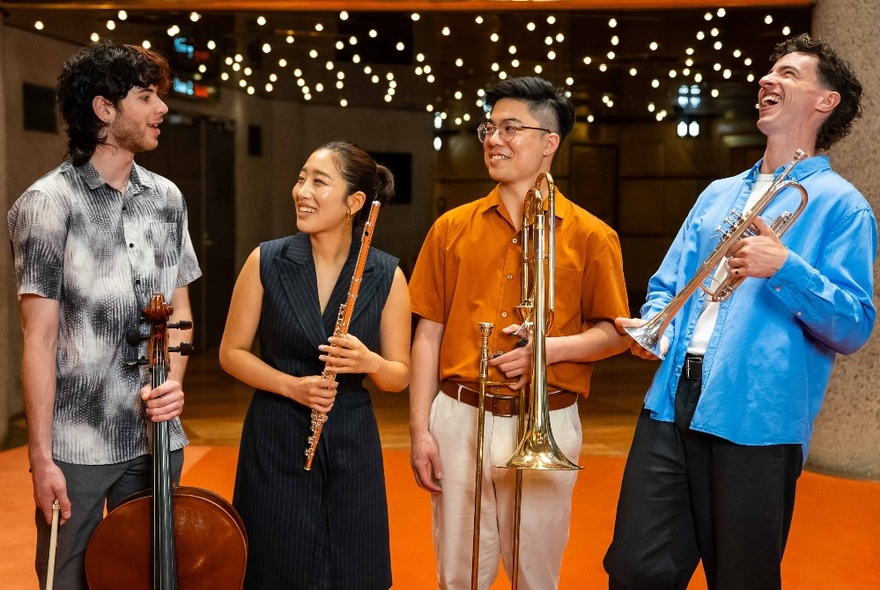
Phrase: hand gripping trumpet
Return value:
(739, 226)
(341, 328)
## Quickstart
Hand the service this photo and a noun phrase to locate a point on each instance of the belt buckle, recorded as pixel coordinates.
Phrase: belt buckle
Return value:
(511, 402)
(693, 367)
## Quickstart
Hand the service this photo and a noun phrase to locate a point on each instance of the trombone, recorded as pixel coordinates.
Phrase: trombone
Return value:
(537, 449)
(648, 335)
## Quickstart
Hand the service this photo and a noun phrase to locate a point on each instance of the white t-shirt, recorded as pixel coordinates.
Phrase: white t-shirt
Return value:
(709, 315)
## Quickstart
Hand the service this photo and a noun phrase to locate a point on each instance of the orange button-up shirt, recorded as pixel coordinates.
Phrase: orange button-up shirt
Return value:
(470, 270)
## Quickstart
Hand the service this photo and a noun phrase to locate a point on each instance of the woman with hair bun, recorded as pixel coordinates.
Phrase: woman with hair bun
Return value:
(327, 527)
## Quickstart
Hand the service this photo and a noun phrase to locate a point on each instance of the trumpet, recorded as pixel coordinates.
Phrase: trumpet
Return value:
(739, 226)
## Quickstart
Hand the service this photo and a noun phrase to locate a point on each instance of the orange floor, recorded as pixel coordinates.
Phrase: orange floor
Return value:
(834, 543)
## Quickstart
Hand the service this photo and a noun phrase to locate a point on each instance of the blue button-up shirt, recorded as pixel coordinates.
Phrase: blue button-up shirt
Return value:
(769, 358)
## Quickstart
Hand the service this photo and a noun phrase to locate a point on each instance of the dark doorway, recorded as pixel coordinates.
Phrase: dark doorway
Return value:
(198, 154)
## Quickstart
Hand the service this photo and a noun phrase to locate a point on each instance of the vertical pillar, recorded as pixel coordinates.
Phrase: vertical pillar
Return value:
(846, 439)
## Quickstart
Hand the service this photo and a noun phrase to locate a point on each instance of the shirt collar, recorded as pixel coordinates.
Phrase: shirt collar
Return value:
(493, 201)
(803, 168)
(94, 180)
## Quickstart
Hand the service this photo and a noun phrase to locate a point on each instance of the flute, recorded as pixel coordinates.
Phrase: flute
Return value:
(341, 328)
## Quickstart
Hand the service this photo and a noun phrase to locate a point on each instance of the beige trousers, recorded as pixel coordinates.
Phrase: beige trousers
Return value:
(546, 499)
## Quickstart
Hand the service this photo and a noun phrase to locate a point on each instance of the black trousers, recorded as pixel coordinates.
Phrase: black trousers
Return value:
(688, 496)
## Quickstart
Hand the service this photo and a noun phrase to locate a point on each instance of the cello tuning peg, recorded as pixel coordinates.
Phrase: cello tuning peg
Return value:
(136, 362)
(134, 337)
(181, 325)
(185, 349)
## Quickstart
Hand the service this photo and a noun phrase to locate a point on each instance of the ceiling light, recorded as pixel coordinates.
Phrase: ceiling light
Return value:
(653, 46)
(708, 16)
(457, 95)
(248, 71)
(700, 35)
(400, 46)
(560, 37)
(373, 34)
(173, 30)
(269, 87)
(340, 45)
(655, 83)
(211, 45)
(569, 81)
(551, 19)
(111, 25)
(538, 69)
(768, 19)
(122, 15)
(633, 71)
(313, 53)
(146, 44)
(195, 17)
(282, 63)
(612, 23)
(610, 55)
(615, 40)
(319, 27)
(603, 67)
(261, 20)
(551, 55)
(95, 37)
(494, 37)
(530, 26)
(786, 30)
(721, 12)
(290, 39)
(446, 31)
(479, 20)
(588, 60)
(267, 48)
(511, 49)
(343, 103)
(38, 25)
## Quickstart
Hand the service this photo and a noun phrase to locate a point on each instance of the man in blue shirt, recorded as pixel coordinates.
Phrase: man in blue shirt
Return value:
(726, 425)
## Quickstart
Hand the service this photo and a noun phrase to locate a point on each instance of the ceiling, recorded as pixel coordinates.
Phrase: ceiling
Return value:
(619, 65)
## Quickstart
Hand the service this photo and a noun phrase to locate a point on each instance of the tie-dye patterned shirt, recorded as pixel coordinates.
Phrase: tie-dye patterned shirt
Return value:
(101, 255)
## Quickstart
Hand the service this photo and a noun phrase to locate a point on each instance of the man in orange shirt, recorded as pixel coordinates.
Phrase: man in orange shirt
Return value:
(469, 271)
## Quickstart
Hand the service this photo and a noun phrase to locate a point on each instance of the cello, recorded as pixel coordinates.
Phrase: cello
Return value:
(167, 537)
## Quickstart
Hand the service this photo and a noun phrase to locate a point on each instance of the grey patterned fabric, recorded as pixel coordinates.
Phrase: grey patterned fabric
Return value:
(101, 255)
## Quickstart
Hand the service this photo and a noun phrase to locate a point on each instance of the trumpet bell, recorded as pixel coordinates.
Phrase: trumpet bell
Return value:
(539, 451)
(648, 337)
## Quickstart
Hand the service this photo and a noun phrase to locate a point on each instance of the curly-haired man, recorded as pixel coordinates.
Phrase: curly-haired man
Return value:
(92, 241)
(726, 426)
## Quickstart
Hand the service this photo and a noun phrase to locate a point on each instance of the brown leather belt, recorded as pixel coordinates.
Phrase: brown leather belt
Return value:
(505, 403)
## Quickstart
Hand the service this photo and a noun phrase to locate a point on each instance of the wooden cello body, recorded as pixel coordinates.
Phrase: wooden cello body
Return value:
(166, 537)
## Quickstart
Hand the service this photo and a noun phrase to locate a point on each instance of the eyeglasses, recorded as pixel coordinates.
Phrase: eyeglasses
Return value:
(506, 131)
